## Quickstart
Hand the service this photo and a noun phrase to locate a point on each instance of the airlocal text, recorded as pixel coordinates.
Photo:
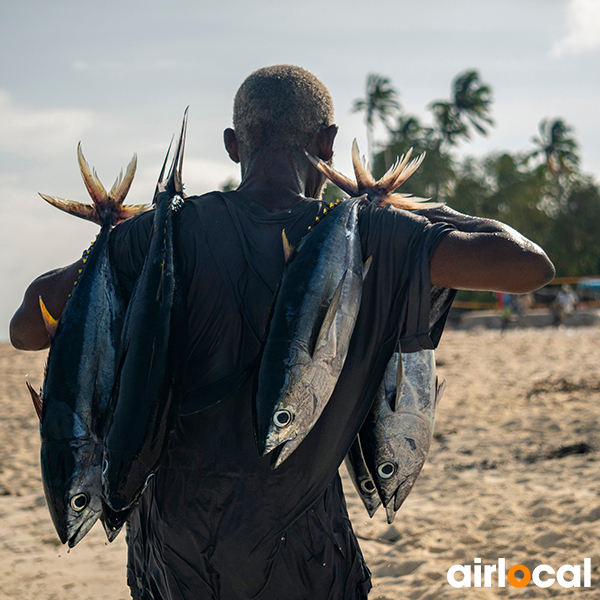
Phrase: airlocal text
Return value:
(478, 575)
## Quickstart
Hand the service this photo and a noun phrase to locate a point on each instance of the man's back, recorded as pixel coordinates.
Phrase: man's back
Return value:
(217, 516)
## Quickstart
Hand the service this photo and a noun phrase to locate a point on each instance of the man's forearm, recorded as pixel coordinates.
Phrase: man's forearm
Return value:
(27, 329)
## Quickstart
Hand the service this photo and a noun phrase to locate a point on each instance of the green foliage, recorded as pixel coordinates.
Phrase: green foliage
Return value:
(229, 185)
(539, 192)
(332, 192)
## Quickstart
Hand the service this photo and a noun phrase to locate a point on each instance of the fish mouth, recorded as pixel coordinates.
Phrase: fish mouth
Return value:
(82, 530)
(113, 520)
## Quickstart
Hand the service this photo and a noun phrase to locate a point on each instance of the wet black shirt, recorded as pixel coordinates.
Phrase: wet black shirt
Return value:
(217, 521)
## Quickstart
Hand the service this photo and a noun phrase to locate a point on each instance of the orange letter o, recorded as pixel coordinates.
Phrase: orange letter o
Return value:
(514, 581)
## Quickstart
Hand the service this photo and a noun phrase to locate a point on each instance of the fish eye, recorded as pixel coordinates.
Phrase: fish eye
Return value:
(79, 502)
(386, 470)
(411, 443)
(367, 486)
(282, 418)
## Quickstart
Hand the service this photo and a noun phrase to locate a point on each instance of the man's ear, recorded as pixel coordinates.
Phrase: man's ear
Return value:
(231, 145)
(326, 139)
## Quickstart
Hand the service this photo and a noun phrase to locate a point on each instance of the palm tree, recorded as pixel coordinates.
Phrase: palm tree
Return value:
(558, 148)
(380, 101)
(469, 107)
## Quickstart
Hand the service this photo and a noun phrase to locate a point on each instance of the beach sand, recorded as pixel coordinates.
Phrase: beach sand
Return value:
(496, 483)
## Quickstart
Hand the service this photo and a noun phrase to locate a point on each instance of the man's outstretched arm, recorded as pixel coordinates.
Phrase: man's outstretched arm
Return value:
(27, 329)
(486, 255)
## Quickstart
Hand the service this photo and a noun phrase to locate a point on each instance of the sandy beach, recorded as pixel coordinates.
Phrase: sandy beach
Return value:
(513, 473)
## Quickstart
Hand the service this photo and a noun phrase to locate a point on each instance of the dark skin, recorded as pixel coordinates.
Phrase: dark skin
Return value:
(482, 255)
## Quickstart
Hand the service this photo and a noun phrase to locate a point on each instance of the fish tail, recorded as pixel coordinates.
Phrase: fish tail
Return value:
(107, 207)
(364, 179)
(174, 182)
(345, 184)
(381, 191)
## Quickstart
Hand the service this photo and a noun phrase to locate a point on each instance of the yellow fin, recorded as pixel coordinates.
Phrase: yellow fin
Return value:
(49, 321)
(287, 248)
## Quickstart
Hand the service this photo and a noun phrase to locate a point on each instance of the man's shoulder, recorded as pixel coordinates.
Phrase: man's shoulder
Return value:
(389, 221)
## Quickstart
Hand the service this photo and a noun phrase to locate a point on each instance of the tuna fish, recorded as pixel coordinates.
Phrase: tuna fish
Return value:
(81, 366)
(390, 450)
(362, 478)
(147, 393)
(310, 330)
(397, 433)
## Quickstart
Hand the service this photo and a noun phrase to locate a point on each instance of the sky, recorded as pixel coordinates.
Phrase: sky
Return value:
(117, 76)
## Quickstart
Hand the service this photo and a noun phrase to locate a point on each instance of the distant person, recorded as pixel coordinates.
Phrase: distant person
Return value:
(216, 522)
(564, 304)
(505, 304)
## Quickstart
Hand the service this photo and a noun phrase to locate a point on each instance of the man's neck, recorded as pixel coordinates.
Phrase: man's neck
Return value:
(276, 181)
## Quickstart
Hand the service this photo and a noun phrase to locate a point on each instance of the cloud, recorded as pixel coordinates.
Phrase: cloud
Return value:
(583, 29)
(30, 132)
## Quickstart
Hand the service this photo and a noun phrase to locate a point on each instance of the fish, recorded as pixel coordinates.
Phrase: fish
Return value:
(147, 393)
(397, 433)
(80, 369)
(388, 454)
(361, 477)
(309, 333)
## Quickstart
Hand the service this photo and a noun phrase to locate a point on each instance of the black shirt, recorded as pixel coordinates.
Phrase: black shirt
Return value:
(217, 521)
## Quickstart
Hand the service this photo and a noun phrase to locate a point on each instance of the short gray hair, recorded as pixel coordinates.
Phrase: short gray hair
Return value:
(281, 106)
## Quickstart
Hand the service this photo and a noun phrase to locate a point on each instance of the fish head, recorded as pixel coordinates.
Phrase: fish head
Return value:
(295, 414)
(401, 457)
(72, 477)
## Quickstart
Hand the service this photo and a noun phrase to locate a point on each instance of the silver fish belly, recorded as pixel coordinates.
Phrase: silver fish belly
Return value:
(326, 273)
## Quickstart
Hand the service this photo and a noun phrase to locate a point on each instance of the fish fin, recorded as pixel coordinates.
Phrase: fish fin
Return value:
(287, 248)
(90, 179)
(364, 179)
(37, 401)
(83, 211)
(330, 315)
(390, 512)
(367, 266)
(439, 391)
(399, 376)
(122, 184)
(345, 184)
(49, 321)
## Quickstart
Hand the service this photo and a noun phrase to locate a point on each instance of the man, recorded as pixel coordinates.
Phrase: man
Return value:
(216, 520)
